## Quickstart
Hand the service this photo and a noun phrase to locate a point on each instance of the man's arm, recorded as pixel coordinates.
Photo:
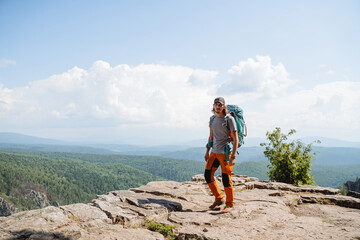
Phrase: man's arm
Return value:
(211, 136)
(235, 138)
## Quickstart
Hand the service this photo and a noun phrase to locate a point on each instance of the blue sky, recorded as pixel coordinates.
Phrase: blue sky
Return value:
(82, 69)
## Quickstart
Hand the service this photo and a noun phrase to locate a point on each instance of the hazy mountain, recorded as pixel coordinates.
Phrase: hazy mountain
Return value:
(331, 151)
(12, 147)
(141, 150)
(14, 141)
(249, 142)
(324, 155)
(9, 137)
(255, 142)
(331, 142)
(248, 154)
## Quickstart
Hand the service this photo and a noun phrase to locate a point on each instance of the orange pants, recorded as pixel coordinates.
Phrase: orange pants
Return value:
(212, 164)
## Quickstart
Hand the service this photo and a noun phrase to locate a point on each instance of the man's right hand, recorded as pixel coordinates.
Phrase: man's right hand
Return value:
(206, 156)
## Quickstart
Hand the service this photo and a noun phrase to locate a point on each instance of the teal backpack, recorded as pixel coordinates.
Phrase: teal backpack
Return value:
(237, 113)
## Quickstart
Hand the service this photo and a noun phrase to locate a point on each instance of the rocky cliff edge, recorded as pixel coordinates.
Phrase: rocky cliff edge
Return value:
(264, 210)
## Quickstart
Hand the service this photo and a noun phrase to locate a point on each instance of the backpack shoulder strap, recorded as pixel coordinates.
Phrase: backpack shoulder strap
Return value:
(227, 117)
(212, 119)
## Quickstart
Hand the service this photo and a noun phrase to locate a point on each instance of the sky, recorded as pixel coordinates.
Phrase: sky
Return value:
(148, 71)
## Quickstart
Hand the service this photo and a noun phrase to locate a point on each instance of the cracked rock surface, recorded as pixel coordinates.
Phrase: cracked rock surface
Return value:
(263, 210)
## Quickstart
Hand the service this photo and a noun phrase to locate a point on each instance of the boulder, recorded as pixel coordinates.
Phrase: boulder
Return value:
(353, 194)
(6, 208)
(39, 198)
(353, 186)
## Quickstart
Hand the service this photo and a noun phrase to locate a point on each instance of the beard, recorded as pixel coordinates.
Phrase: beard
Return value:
(218, 110)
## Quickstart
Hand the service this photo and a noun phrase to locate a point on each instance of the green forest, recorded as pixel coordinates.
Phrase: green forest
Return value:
(78, 177)
(64, 180)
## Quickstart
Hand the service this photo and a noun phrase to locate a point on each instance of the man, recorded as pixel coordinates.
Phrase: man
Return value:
(221, 125)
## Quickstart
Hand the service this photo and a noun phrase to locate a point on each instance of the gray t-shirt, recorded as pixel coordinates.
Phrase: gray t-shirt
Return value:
(221, 133)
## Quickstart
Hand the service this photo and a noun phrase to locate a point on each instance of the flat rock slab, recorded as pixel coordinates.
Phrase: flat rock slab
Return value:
(193, 218)
(77, 221)
(343, 201)
(289, 187)
(263, 210)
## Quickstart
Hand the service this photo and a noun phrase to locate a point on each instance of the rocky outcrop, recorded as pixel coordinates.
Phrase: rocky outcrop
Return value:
(6, 208)
(353, 194)
(344, 201)
(39, 198)
(264, 210)
(353, 188)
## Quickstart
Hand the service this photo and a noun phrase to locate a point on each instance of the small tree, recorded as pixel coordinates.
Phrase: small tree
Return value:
(289, 161)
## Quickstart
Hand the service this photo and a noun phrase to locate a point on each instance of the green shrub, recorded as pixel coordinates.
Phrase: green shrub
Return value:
(289, 161)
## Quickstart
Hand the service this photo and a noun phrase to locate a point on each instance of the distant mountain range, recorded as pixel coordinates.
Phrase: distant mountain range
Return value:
(9, 137)
(255, 142)
(324, 155)
(334, 154)
(16, 138)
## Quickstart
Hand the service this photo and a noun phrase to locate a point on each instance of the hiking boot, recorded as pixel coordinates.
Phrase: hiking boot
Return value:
(227, 209)
(216, 203)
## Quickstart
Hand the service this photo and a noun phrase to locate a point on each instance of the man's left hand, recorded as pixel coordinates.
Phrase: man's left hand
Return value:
(232, 161)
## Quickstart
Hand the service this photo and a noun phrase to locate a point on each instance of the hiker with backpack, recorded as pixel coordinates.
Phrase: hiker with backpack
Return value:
(224, 128)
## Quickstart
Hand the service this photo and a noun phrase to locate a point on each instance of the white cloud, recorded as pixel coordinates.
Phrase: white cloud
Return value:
(260, 78)
(264, 91)
(202, 78)
(146, 95)
(329, 110)
(330, 72)
(6, 62)
(133, 99)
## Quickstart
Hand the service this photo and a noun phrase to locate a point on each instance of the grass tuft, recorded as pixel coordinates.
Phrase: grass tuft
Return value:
(167, 230)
